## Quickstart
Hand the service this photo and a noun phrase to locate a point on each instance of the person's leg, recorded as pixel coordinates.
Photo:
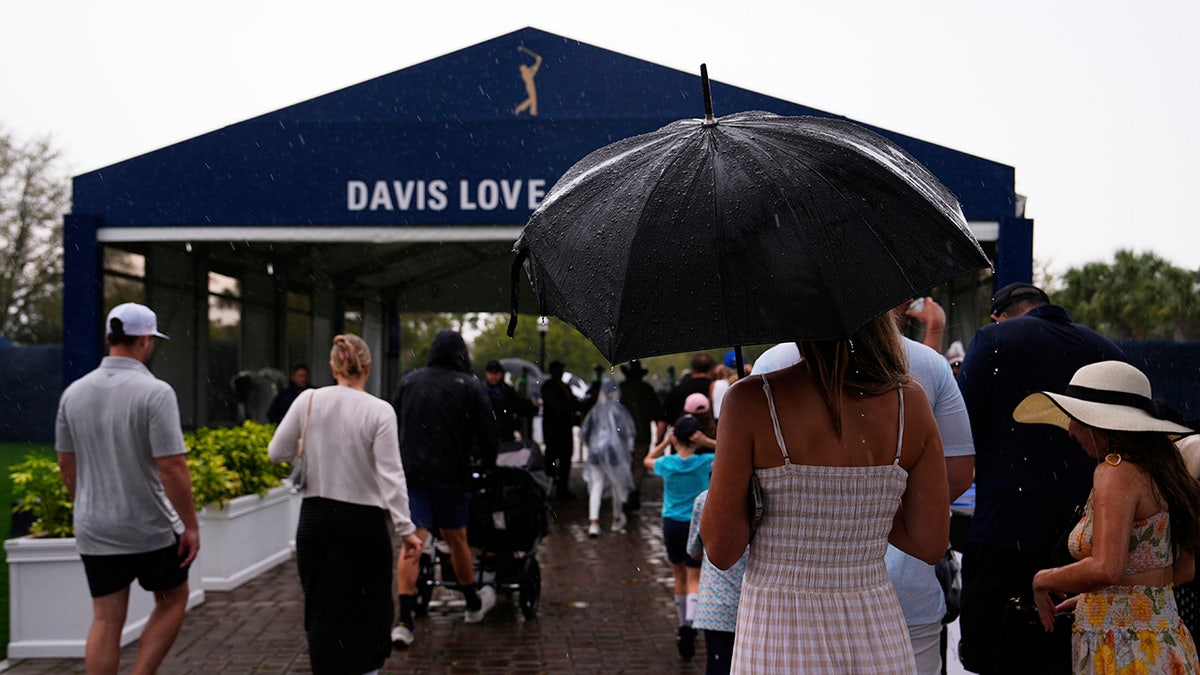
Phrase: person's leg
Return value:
(559, 444)
(640, 450)
(161, 629)
(681, 595)
(408, 570)
(461, 557)
(693, 592)
(618, 510)
(595, 483)
(718, 646)
(927, 647)
(102, 653)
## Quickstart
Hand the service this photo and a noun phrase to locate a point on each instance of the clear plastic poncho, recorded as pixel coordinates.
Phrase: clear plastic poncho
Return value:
(608, 432)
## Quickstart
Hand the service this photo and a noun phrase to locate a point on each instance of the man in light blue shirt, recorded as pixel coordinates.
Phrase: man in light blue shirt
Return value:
(122, 457)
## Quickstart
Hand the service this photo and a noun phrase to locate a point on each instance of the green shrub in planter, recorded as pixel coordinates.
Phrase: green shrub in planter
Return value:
(224, 463)
(231, 462)
(39, 490)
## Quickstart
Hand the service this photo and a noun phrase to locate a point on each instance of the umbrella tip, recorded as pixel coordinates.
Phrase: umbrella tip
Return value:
(709, 120)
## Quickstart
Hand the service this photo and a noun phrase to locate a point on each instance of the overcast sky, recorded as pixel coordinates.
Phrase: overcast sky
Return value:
(1093, 102)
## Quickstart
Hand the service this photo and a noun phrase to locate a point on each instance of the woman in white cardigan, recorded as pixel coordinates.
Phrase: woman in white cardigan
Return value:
(355, 508)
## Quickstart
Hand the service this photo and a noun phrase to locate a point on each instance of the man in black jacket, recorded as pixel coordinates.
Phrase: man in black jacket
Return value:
(445, 423)
(1029, 479)
(510, 408)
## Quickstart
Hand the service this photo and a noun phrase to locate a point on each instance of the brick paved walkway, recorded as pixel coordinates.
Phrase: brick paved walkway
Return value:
(607, 606)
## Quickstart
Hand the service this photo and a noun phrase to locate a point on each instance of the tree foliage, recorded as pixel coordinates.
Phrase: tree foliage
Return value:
(418, 328)
(563, 343)
(1136, 297)
(34, 196)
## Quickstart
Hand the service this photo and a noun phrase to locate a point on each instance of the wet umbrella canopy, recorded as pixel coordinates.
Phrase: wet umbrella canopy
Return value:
(745, 229)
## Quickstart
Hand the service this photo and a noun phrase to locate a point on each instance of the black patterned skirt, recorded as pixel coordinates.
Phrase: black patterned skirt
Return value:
(344, 554)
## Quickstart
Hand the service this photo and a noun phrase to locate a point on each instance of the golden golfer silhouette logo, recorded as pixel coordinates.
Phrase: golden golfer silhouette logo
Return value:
(528, 73)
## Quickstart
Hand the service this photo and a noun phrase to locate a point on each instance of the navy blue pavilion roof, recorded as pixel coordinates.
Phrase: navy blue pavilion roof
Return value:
(442, 143)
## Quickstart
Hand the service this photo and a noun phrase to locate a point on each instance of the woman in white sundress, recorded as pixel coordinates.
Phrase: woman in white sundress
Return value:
(849, 457)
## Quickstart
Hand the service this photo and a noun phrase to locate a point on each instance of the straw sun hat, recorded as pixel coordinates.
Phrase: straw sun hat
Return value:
(1108, 395)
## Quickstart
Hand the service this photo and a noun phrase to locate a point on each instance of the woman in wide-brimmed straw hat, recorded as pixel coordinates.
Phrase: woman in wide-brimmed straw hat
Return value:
(1139, 531)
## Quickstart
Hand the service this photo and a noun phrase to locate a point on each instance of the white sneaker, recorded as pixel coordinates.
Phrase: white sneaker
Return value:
(594, 530)
(401, 636)
(619, 522)
(487, 600)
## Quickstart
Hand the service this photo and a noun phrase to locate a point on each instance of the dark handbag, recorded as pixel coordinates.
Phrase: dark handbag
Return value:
(1028, 647)
(949, 576)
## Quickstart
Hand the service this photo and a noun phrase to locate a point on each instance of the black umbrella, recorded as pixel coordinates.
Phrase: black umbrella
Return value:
(747, 229)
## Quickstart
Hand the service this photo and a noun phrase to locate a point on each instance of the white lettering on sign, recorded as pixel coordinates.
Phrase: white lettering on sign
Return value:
(397, 195)
(537, 190)
(489, 194)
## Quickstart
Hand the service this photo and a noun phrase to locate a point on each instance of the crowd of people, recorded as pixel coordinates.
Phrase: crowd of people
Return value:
(805, 500)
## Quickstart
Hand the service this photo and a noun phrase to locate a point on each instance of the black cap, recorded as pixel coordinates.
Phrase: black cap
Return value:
(685, 426)
(494, 366)
(557, 364)
(1014, 293)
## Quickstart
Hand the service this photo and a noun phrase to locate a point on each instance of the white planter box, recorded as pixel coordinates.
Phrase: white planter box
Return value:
(247, 537)
(50, 609)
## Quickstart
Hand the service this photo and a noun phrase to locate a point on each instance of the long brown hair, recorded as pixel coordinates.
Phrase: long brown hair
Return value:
(871, 363)
(1157, 456)
(350, 355)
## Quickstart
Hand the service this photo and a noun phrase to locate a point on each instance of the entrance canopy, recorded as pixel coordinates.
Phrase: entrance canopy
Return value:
(412, 187)
(439, 165)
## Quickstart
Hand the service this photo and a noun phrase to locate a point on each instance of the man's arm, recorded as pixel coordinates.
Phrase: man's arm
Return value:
(66, 466)
(960, 471)
(177, 483)
(933, 319)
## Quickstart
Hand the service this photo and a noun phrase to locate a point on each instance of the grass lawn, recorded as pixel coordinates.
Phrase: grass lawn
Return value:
(11, 453)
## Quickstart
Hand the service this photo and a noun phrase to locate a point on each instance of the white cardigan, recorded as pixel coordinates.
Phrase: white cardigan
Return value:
(351, 448)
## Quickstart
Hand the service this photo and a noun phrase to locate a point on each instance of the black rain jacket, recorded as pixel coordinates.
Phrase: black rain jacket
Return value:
(445, 418)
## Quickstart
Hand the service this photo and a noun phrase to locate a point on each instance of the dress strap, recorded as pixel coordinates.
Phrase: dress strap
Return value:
(775, 421)
(900, 436)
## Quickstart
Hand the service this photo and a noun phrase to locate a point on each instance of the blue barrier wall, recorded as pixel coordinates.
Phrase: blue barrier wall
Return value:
(1174, 372)
(32, 378)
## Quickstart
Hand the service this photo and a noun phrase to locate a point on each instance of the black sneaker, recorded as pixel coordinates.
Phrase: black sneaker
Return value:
(686, 642)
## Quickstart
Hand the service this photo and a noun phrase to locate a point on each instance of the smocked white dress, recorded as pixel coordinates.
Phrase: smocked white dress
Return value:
(816, 597)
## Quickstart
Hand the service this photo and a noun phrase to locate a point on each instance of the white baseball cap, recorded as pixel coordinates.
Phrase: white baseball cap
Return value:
(135, 320)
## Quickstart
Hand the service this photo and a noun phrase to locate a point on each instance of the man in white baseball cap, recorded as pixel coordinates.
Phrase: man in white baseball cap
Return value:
(122, 456)
(134, 320)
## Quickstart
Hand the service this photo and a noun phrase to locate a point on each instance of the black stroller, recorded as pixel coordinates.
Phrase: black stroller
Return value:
(508, 518)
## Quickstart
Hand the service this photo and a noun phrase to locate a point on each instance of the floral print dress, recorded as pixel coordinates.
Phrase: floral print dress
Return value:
(1131, 629)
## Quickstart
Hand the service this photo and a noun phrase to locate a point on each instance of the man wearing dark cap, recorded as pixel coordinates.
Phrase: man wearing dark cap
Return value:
(559, 410)
(507, 405)
(121, 452)
(1029, 479)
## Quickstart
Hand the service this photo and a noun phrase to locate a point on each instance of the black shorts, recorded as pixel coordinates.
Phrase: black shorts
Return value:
(436, 507)
(675, 536)
(154, 570)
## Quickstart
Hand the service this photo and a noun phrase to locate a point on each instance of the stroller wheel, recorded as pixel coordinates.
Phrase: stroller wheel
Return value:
(531, 589)
(425, 583)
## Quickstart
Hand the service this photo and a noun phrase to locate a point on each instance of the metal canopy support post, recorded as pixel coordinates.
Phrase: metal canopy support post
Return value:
(83, 297)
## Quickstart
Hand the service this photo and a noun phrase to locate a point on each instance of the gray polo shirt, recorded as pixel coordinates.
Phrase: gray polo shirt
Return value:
(116, 420)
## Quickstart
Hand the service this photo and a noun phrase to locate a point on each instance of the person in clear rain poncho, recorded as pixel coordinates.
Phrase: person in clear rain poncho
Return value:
(608, 434)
